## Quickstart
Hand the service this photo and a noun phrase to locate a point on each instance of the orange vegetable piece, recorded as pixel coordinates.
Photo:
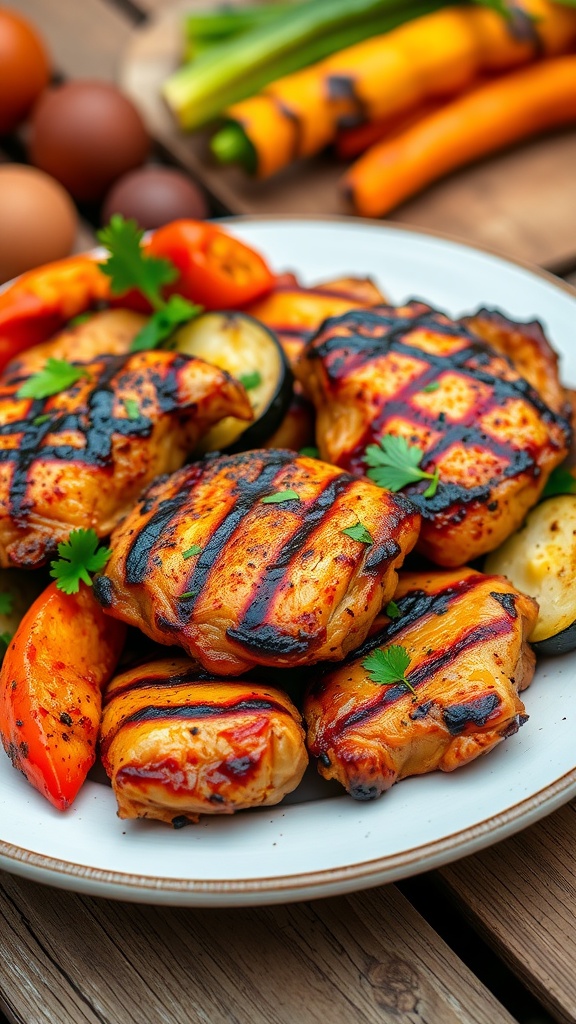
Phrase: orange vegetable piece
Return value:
(62, 654)
(506, 110)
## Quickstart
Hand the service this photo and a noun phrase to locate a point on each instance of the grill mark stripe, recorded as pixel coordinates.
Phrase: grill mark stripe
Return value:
(477, 352)
(192, 712)
(141, 548)
(257, 607)
(392, 694)
(415, 606)
(193, 675)
(250, 492)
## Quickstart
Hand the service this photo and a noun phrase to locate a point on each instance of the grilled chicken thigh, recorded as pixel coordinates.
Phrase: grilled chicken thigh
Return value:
(413, 372)
(243, 560)
(177, 744)
(81, 457)
(466, 636)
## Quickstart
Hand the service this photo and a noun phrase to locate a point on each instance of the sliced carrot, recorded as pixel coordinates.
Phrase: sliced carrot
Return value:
(511, 108)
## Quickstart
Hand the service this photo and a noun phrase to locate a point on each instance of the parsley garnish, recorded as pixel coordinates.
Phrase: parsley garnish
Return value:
(187, 593)
(311, 452)
(389, 666)
(79, 556)
(132, 408)
(392, 610)
(394, 464)
(560, 481)
(276, 499)
(359, 532)
(129, 266)
(432, 386)
(57, 375)
(6, 602)
(250, 380)
(194, 550)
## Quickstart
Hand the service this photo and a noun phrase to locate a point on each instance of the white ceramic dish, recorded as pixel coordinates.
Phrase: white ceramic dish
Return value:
(320, 846)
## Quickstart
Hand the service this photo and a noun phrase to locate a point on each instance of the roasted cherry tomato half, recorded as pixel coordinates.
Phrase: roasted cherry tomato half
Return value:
(216, 269)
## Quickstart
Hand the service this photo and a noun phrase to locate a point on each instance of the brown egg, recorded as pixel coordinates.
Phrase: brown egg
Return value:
(154, 196)
(87, 134)
(38, 220)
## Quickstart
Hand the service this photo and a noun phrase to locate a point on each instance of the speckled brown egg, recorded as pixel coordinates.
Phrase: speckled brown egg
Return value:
(38, 220)
(154, 196)
(87, 134)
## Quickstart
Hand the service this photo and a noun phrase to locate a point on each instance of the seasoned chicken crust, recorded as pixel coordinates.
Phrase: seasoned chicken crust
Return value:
(208, 562)
(466, 635)
(413, 372)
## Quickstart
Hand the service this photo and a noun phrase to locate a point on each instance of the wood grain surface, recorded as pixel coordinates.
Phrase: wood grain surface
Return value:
(521, 894)
(367, 959)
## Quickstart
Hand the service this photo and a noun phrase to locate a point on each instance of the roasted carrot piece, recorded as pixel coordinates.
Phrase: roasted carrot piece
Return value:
(511, 108)
(433, 56)
(62, 654)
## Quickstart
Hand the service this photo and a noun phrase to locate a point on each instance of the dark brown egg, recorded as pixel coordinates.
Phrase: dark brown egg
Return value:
(87, 134)
(154, 196)
(38, 220)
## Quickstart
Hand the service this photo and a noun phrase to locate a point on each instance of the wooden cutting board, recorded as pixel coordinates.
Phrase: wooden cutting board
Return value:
(521, 203)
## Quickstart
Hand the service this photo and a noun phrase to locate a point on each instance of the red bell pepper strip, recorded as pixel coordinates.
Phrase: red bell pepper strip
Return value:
(61, 656)
(41, 301)
(216, 270)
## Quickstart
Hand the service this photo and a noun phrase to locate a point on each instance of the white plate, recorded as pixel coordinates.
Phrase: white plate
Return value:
(319, 847)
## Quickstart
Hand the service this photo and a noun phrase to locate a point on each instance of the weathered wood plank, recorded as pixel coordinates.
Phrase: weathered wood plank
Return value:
(370, 958)
(85, 39)
(521, 896)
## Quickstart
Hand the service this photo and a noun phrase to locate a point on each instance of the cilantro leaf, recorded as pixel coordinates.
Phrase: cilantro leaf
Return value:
(311, 452)
(560, 481)
(250, 380)
(194, 550)
(163, 322)
(388, 666)
(132, 408)
(392, 610)
(359, 532)
(128, 265)
(394, 464)
(57, 376)
(79, 556)
(276, 499)
(6, 603)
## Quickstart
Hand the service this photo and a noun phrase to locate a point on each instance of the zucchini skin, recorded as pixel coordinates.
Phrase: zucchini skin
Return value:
(560, 643)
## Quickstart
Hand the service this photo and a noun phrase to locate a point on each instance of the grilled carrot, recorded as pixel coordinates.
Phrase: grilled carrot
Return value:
(513, 107)
(437, 55)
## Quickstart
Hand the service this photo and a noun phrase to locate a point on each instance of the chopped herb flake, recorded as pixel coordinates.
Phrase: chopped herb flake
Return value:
(276, 499)
(359, 532)
(39, 420)
(186, 594)
(132, 408)
(432, 386)
(311, 452)
(6, 603)
(250, 380)
(194, 550)
(392, 610)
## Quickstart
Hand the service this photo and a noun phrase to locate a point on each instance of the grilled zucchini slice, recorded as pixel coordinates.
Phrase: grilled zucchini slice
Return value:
(251, 353)
(540, 559)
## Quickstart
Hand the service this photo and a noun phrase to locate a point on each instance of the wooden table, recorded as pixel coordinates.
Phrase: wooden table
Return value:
(489, 939)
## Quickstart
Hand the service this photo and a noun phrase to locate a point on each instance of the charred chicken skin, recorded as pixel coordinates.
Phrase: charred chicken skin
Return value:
(177, 744)
(243, 560)
(466, 635)
(81, 457)
(413, 372)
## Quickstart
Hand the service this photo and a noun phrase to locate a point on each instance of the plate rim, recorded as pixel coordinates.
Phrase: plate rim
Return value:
(328, 881)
